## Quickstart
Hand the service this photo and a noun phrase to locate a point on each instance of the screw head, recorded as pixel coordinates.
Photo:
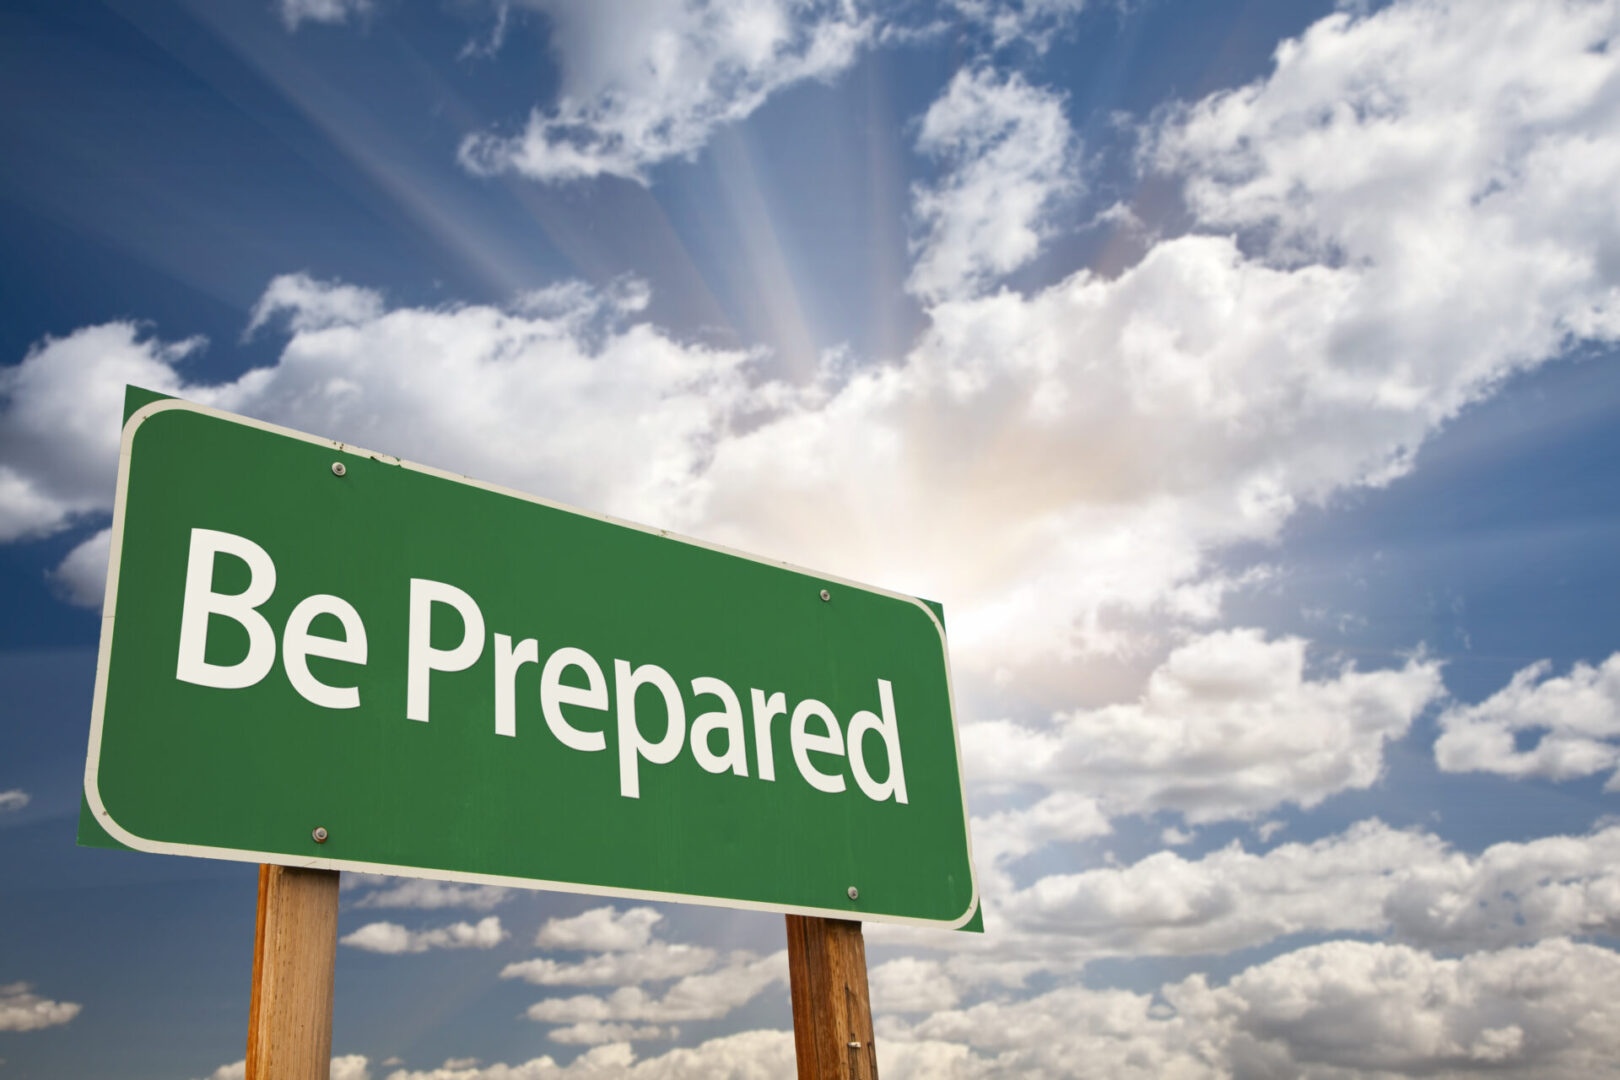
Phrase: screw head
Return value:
(825, 595)
(338, 468)
(319, 834)
(854, 893)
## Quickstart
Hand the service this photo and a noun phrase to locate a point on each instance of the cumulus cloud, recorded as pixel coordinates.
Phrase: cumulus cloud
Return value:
(603, 929)
(1005, 836)
(1544, 1011)
(15, 799)
(647, 963)
(1574, 718)
(707, 987)
(430, 895)
(345, 1067)
(387, 937)
(1008, 156)
(1389, 1007)
(748, 1055)
(592, 1033)
(1228, 899)
(1048, 464)
(1405, 885)
(1229, 726)
(294, 12)
(1331, 1010)
(59, 421)
(1355, 276)
(81, 578)
(23, 1010)
(1026, 22)
(645, 83)
(911, 985)
(309, 304)
(479, 390)
(706, 996)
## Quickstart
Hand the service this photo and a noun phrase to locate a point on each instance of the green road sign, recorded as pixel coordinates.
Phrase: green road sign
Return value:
(319, 656)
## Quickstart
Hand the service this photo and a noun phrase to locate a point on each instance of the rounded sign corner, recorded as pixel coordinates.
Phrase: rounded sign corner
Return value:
(105, 820)
(152, 408)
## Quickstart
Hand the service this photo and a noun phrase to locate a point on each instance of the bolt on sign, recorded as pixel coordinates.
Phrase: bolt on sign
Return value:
(318, 656)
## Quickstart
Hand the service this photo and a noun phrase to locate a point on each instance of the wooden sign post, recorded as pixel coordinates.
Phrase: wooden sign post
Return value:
(832, 1014)
(294, 951)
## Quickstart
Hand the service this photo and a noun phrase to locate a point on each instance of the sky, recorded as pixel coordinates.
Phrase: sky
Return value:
(1239, 375)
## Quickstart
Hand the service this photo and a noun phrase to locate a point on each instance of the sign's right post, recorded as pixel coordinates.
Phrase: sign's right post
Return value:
(832, 1015)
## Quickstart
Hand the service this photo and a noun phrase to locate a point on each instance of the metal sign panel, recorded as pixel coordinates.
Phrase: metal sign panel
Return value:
(318, 656)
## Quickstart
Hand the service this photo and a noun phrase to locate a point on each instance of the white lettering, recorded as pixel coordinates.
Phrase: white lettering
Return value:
(766, 709)
(554, 694)
(863, 722)
(298, 644)
(201, 601)
(803, 742)
(728, 720)
(507, 662)
(421, 657)
(631, 744)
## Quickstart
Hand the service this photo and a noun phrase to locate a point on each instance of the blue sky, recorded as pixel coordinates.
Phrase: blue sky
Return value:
(1238, 375)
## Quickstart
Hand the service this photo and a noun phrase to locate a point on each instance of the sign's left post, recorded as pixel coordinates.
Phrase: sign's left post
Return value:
(294, 952)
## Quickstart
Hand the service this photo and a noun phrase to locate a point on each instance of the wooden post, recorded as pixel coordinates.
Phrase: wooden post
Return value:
(294, 950)
(832, 1015)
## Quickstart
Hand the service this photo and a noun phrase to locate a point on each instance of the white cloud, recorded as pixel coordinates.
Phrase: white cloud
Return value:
(1545, 1011)
(592, 1033)
(1008, 835)
(23, 1010)
(1044, 464)
(429, 895)
(387, 937)
(748, 1055)
(59, 425)
(911, 985)
(1228, 899)
(1229, 726)
(82, 576)
(1406, 885)
(628, 956)
(1027, 22)
(1575, 718)
(1267, 829)
(1327, 1011)
(1510, 893)
(294, 12)
(314, 305)
(506, 396)
(15, 799)
(707, 996)
(651, 81)
(603, 929)
(1009, 162)
(344, 1067)
(1084, 449)
(647, 963)
(1548, 1010)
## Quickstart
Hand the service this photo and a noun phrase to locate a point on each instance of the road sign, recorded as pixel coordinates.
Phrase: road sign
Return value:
(318, 656)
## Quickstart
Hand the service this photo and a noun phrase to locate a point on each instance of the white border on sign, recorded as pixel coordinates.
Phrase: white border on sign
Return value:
(92, 761)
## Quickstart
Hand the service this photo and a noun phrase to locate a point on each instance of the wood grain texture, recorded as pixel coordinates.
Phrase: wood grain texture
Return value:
(832, 1013)
(294, 950)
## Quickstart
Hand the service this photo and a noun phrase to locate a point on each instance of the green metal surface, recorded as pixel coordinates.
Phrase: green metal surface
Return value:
(249, 773)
